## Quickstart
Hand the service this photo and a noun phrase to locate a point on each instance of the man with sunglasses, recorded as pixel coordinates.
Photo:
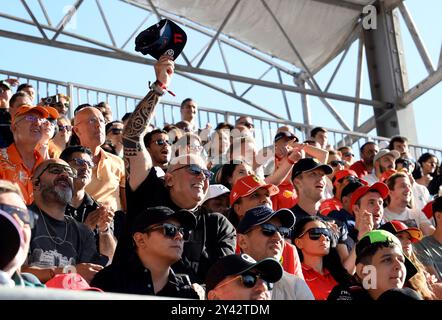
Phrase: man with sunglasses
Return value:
(158, 237)
(347, 155)
(59, 243)
(83, 207)
(16, 222)
(114, 137)
(240, 277)
(261, 235)
(108, 175)
(159, 147)
(383, 161)
(245, 121)
(184, 186)
(19, 160)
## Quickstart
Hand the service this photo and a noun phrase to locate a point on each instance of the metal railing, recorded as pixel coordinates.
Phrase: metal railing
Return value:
(169, 112)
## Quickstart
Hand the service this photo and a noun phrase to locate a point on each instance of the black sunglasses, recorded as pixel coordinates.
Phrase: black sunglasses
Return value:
(336, 163)
(82, 162)
(269, 230)
(249, 280)
(196, 170)
(348, 154)
(25, 215)
(315, 233)
(162, 142)
(66, 127)
(116, 131)
(171, 230)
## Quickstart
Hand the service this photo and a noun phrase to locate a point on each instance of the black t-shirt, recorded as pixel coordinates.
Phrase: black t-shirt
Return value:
(57, 243)
(133, 278)
(342, 237)
(213, 237)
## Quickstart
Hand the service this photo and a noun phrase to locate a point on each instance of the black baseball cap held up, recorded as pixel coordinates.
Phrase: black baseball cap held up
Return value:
(164, 37)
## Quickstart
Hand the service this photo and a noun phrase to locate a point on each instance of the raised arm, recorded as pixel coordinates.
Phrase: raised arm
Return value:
(136, 158)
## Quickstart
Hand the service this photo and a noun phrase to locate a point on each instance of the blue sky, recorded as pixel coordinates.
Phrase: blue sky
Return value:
(133, 78)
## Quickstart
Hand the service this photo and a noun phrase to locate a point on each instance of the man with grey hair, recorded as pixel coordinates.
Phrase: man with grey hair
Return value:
(59, 243)
(184, 186)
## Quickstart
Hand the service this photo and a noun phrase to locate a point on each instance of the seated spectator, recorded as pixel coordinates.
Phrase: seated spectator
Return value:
(61, 139)
(261, 235)
(380, 266)
(158, 236)
(321, 264)
(19, 160)
(28, 89)
(59, 243)
(173, 132)
(365, 165)
(383, 161)
(240, 277)
(105, 110)
(333, 160)
(400, 144)
(108, 175)
(17, 100)
(185, 126)
(347, 156)
(245, 121)
(422, 282)
(16, 222)
(229, 173)
(83, 207)
(219, 144)
(158, 145)
(217, 199)
(429, 249)
(60, 103)
(49, 129)
(6, 138)
(189, 143)
(114, 133)
(398, 202)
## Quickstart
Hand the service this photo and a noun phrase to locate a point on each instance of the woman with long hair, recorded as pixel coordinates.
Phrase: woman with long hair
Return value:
(321, 265)
(429, 168)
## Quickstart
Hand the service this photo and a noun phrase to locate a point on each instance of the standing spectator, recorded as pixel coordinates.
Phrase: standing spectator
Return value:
(320, 135)
(240, 277)
(429, 249)
(28, 89)
(398, 202)
(83, 207)
(229, 173)
(61, 139)
(400, 144)
(219, 144)
(105, 110)
(217, 199)
(19, 160)
(58, 241)
(158, 238)
(159, 147)
(189, 143)
(183, 187)
(5, 118)
(245, 121)
(48, 131)
(108, 182)
(347, 156)
(114, 134)
(189, 110)
(383, 161)
(261, 235)
(16, 222)
(365, 165)
(5, 94)
(60, 102)
(17, 100)
(429, 168)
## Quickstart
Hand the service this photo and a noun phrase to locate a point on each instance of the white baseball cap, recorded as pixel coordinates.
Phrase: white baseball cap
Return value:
(216, 190)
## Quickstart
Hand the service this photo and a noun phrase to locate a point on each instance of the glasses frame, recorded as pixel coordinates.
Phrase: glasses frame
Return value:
(72, 175)
(81, 162)
(269, 230)
(247, 284)
(170, 231)
(162, 142)
(26, 216)
(195, 170)
(315, 237)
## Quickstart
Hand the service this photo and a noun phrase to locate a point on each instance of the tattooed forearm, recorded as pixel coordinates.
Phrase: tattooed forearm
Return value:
(137, 125)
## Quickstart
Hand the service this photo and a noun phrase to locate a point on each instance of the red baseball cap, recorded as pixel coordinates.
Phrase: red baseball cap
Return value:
(387, 174)
(428, 209)
(361, 191)
(70, 281)
(396, 226)
(342, 174)
(245, 186)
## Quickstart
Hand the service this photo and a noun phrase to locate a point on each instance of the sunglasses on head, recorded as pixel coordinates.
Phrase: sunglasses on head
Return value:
(249, 280)
(336, 163)
(82, 162)
(348, 154)
(196, 170)
(162, 142)
(27, 216)
(315, 233)
(269, 230)
(56, 168)
(171, 230)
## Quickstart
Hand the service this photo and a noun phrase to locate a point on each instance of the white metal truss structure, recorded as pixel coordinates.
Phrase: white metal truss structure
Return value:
(297, 56)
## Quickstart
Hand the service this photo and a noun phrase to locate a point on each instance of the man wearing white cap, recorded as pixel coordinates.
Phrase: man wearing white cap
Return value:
(384, 160)
(217, 199)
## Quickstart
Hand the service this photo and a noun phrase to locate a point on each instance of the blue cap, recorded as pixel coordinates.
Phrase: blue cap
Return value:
(262, 214)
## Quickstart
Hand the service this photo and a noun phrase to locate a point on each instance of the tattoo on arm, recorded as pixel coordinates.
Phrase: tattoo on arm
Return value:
(136, 128)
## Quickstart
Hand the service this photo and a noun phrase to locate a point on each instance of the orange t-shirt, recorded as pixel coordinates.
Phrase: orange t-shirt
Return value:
(320, 284)
(13, 169)
(286, 198)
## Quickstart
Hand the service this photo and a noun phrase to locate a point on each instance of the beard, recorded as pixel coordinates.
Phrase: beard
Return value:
(57, 194)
